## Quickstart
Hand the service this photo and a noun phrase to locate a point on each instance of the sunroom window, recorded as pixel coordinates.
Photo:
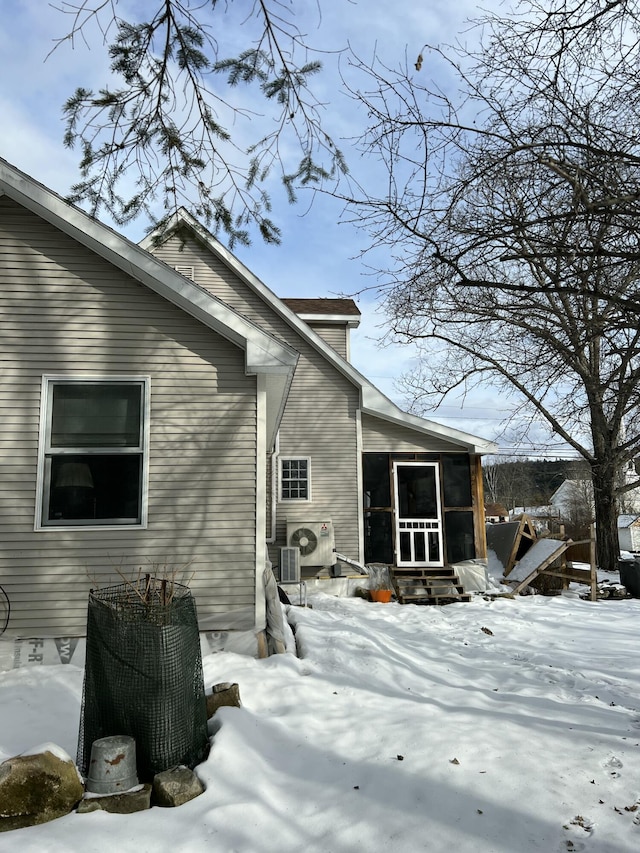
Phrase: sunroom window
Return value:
(93, 452)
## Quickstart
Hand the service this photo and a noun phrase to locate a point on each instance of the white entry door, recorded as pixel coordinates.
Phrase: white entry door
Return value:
(418, 514)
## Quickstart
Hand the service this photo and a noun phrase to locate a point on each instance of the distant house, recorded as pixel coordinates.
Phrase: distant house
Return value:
(573, 503)
(573, 498)
(629, 533)
(495, 513)
(629, 501)
(164, 409)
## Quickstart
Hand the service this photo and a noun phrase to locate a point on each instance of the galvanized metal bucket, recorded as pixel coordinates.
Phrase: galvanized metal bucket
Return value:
(112, 768)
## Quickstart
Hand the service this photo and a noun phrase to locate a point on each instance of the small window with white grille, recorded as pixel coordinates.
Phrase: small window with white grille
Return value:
(295, 479)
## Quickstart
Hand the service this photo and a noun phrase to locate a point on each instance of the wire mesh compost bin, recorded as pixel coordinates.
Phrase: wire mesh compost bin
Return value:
(143, 675)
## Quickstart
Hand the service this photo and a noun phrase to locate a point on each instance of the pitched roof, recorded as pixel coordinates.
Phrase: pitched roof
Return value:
(372, 401)
(346, 307)
(496, 509)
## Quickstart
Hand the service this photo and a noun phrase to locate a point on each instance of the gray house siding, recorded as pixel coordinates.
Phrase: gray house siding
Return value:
(65, 311)
(334, 334)
(380, 436)
(320, 419)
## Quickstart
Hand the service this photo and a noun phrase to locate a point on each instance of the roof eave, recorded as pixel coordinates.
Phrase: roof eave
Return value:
(331, 319)
(376, 404)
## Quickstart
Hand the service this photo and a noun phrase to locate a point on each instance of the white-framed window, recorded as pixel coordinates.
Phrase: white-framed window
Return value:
(295, 478)
(93, 452)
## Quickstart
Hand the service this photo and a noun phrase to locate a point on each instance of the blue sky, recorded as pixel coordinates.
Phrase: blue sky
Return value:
(319, 256)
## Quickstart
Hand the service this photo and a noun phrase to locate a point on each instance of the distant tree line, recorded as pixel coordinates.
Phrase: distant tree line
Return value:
(529, 483)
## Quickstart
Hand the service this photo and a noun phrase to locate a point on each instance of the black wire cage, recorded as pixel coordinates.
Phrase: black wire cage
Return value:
(143, 675)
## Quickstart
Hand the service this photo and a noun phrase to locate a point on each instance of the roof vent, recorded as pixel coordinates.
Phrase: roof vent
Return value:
(187, 272)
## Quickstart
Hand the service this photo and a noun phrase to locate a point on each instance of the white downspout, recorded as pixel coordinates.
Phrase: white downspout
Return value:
(274, 489)
(261, 494)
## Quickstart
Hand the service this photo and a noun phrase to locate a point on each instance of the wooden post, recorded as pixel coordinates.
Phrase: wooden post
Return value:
(477, 499)
(563, 559)
(592, 563)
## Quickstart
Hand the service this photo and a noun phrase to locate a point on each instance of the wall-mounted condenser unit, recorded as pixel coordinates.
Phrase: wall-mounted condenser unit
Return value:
(314, 540)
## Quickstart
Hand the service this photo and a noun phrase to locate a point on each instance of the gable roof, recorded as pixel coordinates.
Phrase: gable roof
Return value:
(323, 305)
(331, 311)
(372, 401)
(264, 354)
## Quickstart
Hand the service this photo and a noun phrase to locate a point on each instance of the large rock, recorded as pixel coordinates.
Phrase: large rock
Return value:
(137, 800)
(175, 787)
(224, 695)
(37, 788)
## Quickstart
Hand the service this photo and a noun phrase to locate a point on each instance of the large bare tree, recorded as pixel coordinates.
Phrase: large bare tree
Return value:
(512, 207)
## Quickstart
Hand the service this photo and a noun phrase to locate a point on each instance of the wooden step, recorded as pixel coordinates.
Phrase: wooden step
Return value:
(436, 599)
(427, 585)
(406, 589)
(423, 572)
(451, 579)
(434, 580)
(420, 597)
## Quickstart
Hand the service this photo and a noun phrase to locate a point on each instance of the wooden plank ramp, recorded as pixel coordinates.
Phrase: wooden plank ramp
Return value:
(547, 557)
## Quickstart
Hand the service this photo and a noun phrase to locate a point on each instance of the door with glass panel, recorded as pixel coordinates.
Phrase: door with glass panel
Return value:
(418, 514)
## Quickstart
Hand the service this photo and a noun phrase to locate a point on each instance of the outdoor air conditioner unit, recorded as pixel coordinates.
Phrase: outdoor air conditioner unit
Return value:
(289, 565)
(314, 540)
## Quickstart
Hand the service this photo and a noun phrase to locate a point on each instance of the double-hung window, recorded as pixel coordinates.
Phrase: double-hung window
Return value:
(295, 480)
(93, 452)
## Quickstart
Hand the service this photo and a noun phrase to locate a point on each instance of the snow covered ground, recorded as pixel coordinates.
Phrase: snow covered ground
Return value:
(507, 726)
